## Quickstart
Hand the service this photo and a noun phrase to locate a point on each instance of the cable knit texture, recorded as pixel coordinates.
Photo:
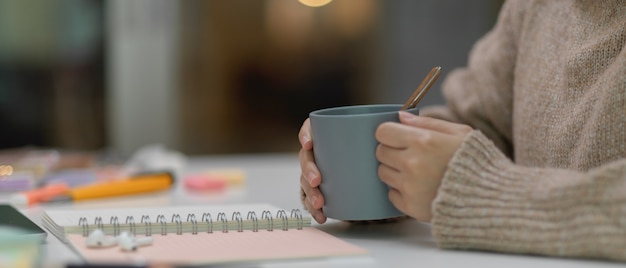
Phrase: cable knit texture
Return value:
(545, 170)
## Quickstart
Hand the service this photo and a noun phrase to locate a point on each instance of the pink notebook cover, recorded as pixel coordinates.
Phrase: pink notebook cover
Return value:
(219, 247)
(300, 241)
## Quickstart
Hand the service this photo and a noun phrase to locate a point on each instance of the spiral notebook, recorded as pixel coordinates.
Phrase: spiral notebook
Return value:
(199, 235)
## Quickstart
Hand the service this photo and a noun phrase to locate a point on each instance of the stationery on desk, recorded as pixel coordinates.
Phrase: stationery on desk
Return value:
(136, 184)
(192, 235)
(23, 169)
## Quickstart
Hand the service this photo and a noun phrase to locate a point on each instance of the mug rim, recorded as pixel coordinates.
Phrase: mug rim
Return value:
(324, 112)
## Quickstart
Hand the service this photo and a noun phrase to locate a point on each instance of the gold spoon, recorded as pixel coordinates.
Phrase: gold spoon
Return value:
(421, 90)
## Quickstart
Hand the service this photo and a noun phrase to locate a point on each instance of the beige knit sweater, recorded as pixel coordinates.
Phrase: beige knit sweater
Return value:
(545, 170)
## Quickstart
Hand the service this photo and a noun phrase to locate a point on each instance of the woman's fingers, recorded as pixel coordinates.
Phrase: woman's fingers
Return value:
(412, 128)
(304, 136)
(308, 168)
(310, 177)
(313, 196)
(317, 214)
(389, 156)
(313, 201)
(395, 197)
(389, 176)
(307, 161)
(394, 134)
(433, 124)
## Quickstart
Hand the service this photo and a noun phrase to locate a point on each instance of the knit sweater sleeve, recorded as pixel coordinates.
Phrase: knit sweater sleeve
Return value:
(487, 202)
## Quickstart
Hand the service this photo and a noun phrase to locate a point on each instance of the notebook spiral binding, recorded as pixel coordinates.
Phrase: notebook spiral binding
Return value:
(206, 221)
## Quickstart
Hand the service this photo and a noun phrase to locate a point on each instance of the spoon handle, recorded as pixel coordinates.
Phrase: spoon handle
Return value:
(421, 90)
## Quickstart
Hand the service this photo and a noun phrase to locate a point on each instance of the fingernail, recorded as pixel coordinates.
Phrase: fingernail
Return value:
(406, 115)
(319, 218)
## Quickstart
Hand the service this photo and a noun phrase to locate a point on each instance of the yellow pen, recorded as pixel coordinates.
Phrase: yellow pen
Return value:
(137, 184)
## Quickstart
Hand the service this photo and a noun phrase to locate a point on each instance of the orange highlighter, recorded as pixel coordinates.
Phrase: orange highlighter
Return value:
(136, 184)
(39, 195)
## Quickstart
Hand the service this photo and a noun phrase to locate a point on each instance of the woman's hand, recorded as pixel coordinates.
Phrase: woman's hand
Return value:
(414, 155)
(310, 177)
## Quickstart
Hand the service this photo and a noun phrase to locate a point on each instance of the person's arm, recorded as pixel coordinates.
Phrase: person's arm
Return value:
(480, 95)
(487, 202)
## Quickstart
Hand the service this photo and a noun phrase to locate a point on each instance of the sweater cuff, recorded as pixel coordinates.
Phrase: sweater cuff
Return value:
(486, 202)
(481, 201)
(463, 190)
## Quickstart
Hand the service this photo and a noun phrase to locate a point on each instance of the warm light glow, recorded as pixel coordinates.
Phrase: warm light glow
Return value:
(6, 170)
(315, 3)
(353, 19)
(289, 25)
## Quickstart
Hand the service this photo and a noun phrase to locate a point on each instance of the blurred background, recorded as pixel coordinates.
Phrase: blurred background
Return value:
(212, 76)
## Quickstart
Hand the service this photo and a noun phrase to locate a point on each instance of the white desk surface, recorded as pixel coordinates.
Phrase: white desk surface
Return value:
(274, 179)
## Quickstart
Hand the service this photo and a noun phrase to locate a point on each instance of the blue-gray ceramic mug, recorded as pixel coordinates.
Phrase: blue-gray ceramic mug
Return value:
(344, 146)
